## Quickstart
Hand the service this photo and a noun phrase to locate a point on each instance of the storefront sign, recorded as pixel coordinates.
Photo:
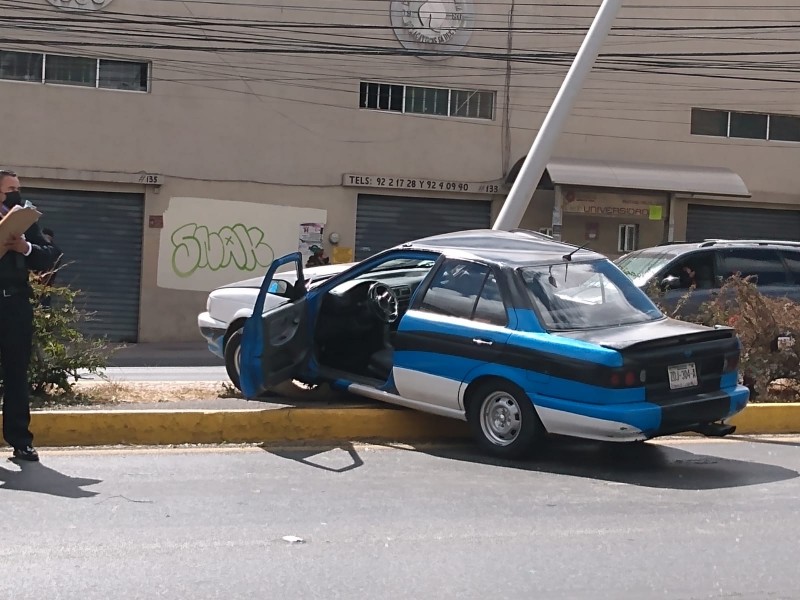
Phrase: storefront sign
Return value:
(424, 185)
(613, 205)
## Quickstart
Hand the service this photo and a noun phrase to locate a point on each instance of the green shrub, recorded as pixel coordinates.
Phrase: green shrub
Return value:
(60, 350)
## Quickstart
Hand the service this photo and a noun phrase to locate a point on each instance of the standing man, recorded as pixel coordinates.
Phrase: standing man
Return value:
(27, 252)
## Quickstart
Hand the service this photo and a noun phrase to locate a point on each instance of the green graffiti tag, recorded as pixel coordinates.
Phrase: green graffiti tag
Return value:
(196, 248)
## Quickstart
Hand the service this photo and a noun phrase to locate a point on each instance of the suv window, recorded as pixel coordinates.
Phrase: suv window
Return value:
(467, 290)
(764, 263)
(793, 260)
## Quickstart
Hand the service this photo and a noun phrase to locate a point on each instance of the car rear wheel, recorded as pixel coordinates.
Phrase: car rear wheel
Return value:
(294, 389)
(503, 420)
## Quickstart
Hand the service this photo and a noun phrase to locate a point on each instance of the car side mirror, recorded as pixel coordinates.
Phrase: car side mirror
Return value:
(670, 281)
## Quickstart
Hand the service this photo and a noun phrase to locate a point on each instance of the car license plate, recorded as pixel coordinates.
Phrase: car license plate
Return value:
(682, 376)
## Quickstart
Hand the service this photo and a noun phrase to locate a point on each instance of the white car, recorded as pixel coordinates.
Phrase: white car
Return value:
(228, 307)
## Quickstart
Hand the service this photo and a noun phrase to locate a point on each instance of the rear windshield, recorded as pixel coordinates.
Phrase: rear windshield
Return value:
(586, 295)
(642, 266)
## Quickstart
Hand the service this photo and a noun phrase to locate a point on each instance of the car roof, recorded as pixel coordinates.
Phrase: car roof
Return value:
(513, 248)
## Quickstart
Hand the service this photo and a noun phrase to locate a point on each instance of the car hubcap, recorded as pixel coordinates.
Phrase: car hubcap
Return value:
(501, 418)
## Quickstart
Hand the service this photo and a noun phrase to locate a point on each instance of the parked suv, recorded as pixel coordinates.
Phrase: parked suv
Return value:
(775, 266)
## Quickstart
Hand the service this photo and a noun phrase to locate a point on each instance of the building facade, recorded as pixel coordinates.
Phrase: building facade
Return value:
(177, 146)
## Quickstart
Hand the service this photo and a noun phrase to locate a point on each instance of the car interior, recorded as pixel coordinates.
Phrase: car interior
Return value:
(358, 318)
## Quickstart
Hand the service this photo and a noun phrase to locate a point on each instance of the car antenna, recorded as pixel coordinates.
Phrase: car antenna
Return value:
(568, 257)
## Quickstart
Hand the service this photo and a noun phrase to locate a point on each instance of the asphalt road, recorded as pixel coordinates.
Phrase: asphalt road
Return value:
(689, 519)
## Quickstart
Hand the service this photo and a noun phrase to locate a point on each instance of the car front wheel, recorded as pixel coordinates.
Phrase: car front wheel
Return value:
(503, 420)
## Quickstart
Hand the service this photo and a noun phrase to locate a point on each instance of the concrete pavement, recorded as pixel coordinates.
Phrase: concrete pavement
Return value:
(678, 520)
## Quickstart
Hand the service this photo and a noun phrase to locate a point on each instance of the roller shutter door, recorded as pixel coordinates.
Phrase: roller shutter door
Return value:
(386, 221)
(100, 234)
(705, 222)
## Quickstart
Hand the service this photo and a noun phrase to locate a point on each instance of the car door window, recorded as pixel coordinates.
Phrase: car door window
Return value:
(696, 269)
(455, 289)
(490, 308)
(763, 263)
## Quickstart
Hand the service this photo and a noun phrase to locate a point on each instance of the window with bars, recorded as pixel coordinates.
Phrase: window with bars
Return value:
(473, 104)
(747, 125)
(21, 66)
(74, 70)
(70, 70)
(122, 75)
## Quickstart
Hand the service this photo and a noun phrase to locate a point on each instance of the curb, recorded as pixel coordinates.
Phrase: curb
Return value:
(166, 427)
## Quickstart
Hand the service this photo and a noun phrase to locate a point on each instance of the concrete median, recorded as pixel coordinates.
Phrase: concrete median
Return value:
(292, 424)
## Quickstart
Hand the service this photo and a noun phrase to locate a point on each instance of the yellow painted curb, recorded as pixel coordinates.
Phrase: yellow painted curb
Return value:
(100, 428)
(768, 418)
(162, 427)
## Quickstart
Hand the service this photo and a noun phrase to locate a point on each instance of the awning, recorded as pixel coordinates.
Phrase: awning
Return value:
(716, 181)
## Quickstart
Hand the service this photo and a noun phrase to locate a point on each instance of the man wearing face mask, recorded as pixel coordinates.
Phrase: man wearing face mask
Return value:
(27, 252)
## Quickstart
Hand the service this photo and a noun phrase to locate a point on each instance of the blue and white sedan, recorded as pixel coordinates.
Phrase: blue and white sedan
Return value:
(511, 331)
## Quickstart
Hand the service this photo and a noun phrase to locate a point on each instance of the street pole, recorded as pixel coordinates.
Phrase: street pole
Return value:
(542, 149)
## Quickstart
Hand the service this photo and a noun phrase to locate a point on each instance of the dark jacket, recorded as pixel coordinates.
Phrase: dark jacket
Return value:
(14, 267)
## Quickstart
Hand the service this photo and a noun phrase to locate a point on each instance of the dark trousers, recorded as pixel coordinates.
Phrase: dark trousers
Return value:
(16, 338)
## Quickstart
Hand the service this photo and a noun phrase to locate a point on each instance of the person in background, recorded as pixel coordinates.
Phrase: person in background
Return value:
(24, 253)
(317, 258)
(688, 277)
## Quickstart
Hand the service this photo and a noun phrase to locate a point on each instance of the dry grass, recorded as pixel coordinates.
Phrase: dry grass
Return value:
(89, 393)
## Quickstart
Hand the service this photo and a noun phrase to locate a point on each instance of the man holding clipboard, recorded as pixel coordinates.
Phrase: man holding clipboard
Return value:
(22, 249)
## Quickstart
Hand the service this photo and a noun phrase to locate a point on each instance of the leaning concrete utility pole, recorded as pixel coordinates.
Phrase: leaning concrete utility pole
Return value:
(542, 149)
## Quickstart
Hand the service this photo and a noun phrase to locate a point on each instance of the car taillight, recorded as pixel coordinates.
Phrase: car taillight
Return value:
(627, 378)
(731, 363)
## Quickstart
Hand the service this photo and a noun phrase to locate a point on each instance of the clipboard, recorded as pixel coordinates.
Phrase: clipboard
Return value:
(16, 222)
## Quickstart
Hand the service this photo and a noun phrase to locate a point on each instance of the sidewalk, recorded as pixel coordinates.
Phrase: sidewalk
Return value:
(170, 354)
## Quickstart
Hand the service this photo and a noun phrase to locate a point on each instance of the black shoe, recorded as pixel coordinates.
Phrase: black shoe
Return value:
(28, 453)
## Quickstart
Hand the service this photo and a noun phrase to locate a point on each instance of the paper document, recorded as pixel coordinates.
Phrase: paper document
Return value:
(16, 222)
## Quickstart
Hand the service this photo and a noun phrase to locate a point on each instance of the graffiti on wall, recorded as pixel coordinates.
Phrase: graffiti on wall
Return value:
(206, 243)
(196, 247)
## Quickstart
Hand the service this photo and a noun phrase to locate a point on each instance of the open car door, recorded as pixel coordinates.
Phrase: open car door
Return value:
(275, 344)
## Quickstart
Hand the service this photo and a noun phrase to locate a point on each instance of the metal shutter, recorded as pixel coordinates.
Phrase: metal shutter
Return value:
(100, 234)
(741, 223)
(386, 221)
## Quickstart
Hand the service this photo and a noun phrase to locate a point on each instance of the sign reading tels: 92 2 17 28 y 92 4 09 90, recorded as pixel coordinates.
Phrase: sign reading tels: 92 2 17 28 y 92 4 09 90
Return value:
(423, 185)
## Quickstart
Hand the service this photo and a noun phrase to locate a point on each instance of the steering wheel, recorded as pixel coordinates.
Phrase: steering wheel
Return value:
(383, 302)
